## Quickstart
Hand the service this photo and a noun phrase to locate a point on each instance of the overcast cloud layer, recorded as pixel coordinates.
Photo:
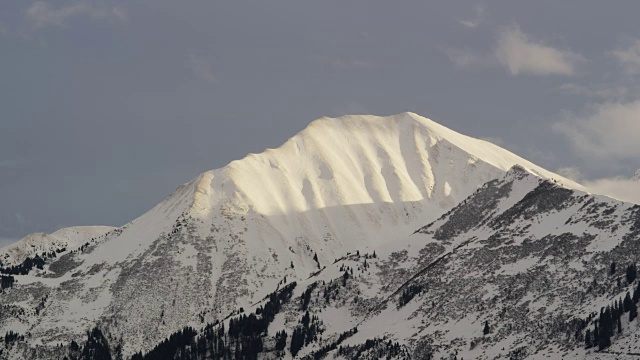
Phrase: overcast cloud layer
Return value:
(108, 106)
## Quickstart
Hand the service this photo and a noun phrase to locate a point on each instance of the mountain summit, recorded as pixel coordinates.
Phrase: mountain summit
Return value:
(400, 167)
(362, 160)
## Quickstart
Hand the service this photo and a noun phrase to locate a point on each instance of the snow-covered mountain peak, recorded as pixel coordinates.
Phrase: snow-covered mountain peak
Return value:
(233, 235)
(356, 159)
(636, 176)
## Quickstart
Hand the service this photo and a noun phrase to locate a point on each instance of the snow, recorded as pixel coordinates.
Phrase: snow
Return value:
(39, 243)
(521, 265)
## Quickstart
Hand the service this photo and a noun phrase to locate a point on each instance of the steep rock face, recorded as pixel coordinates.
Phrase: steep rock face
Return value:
(233, 235)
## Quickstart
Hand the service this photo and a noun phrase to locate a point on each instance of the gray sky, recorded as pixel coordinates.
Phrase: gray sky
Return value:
(106, 107)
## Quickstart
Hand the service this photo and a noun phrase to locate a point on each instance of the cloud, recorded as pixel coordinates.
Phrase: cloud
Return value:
(520, 54)
(618, 188)
(201, 68)
(609, 131)
(571, 173)
(467, 59)
(473, 23)
(629, 58)
(42, 15)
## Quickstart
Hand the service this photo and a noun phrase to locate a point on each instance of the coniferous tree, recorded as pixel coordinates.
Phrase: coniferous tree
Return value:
(345, 277)
(626, 304)
(297, 341)
(610, 318)
(306, 319)
(281, 340)
(486, 329)
(633, 312)
(631, 273)
(606, 329)
(11, 337)
(306, 295)
(96, 347)
(587, 339)
(619, 325)
(6, 281)
(409, 293)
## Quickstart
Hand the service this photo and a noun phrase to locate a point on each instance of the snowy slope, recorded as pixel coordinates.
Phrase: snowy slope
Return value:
(233, 235)
(528, 256)
(40, 243)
